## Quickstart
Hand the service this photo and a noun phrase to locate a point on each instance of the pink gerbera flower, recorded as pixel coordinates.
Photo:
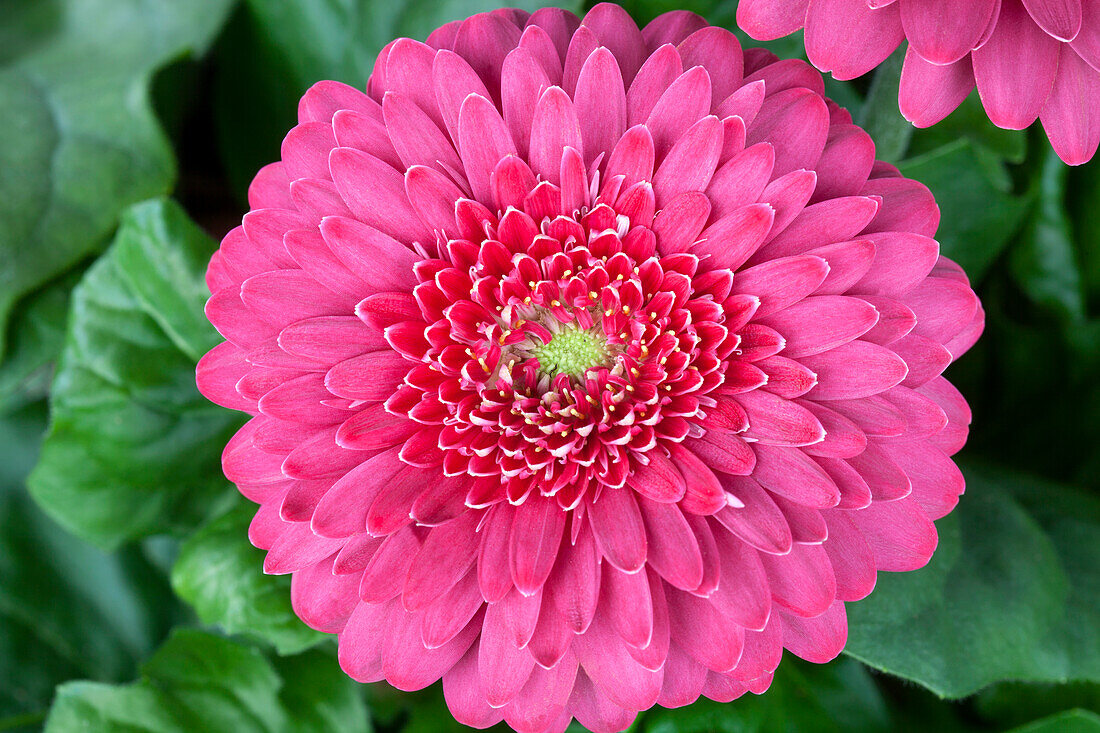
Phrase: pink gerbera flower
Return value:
(1031, 59)
(590, 366)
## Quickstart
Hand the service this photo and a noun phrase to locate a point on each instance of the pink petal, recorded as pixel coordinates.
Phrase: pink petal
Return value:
(322, 600)
(375, 193)
(777, 421)
(660, 480)
(820, 323)
(848, 38)
(617, 524)
(898, 532)
(493, 566)
(483, 140)
(801, 581)
(536, 535)
(758, 520)
(943, 31)
(854, 369)
(1011, 99)
(601, 104)
(503, 668)
(819, 639)
(629, 605)
(686, 101)
(766, 20)
(1070, 115)
(443, 559)
(671, 27)
(690, 163)
(415, 136)
(615, 673)
(719, 52)
(1060, 18)
(555, 126)
(790, 473)
(845, 164)
(741, 180)
(797, 121)
(730, 241)
(615, 29)
(742, 596)
(705, 634)
(462, 691)
(575, 581)
(673, 549)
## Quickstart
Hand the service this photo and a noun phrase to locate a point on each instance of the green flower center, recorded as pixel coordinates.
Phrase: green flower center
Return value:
(572, 351)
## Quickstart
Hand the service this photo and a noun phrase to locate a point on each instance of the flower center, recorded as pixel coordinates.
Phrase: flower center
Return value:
(572, 351)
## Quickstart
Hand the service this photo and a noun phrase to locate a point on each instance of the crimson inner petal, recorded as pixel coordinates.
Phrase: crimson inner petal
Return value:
(658, 343)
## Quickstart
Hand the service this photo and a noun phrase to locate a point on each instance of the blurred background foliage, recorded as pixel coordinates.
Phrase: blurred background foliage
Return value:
(130, 598)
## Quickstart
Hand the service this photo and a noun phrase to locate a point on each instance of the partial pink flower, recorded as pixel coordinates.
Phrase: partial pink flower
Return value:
(1031, 59)
(590, 367)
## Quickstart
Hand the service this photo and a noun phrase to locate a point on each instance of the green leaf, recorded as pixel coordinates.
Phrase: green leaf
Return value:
(37, 335)
(1044, 263)
(836, 697)
(220, 573)
(1083, 191)
(1012, 593)
(198, 682)
(80, 140)
(978, 216)
(880, 115)
(271, 55)
(133, 448)
(1071, 721)
(66, 609)
(1014, 703)
(970, 122)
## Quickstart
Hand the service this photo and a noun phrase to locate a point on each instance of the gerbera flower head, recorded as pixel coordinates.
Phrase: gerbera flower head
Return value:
(1031, 59)
(590, 367)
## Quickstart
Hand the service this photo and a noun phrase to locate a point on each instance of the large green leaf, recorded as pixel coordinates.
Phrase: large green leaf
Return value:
(37, 335)
(1044, 262)
(220, 573)
(1012, 593)
(803, 698)
(66, 609)
(133, 448)
(1071, 721)
(198, 682)
(880, 115)
(80, 140)
(1014, 703)
(979, 213)
(273, 52)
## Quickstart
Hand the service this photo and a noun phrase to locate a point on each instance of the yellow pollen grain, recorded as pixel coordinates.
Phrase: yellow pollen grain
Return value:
(555, 303)
(626, 310)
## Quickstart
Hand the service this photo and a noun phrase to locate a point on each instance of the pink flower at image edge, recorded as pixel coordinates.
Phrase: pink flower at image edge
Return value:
(1030, 59)
(589, 367)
